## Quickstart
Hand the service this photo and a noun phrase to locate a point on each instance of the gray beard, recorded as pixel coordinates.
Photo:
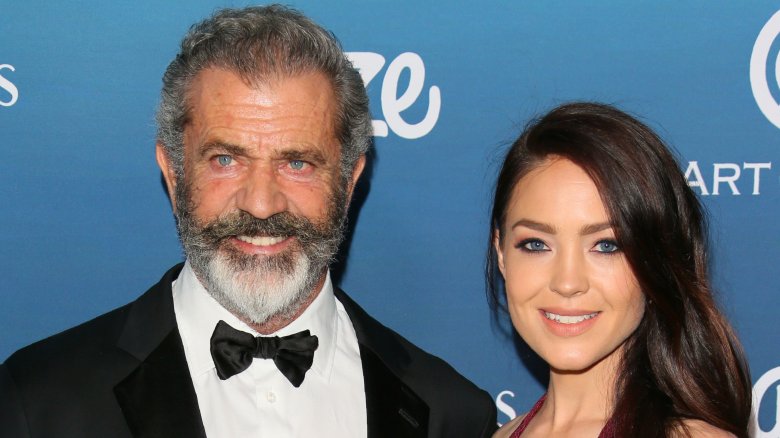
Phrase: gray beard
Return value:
(256, 295)
(257, 288)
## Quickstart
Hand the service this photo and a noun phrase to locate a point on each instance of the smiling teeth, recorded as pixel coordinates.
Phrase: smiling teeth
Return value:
(569, 319)
(261, 240)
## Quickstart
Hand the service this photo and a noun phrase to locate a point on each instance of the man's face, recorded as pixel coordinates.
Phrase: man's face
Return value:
(262, 202)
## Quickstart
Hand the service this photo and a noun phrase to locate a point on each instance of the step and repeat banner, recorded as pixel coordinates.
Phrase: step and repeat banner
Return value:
(85, 224)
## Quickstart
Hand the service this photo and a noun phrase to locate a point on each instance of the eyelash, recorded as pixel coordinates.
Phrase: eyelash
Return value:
(304, 165)
(610, 242)
(523, 245)
(216, 159)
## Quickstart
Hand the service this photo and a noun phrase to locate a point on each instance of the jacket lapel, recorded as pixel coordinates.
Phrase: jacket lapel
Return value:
(157, 398)
(392, 408)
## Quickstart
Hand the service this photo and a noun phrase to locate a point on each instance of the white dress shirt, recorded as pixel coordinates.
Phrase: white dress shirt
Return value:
(260, 401)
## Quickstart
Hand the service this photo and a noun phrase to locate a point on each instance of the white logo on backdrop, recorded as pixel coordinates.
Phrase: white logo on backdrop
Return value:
(727, 175)
(769, 380)
(759, 63)
(504, 407)
(8, 86)
(369, 64)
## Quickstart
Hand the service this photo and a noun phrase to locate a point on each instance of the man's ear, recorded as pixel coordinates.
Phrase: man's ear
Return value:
(356, 172)
(499, 252)
(166, 167)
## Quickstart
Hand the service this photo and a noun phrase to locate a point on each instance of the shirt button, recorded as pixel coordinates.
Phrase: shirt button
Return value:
(271, 397)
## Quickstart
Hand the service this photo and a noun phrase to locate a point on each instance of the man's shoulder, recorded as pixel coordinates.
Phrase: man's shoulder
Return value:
(64, 385)
(67, 375)
(87, 345)
(399, 353)
(79, 341)
(425, 368)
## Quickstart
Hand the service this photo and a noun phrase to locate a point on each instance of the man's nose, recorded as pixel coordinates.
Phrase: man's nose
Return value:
(570, 275)
(261, 194)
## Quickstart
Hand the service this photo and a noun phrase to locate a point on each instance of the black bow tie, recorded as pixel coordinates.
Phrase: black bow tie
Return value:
(233, 350)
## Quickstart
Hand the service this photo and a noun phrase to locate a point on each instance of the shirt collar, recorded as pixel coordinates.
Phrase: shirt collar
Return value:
(197, 313)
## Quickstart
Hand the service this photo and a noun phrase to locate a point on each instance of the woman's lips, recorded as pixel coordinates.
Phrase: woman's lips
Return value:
(569, 322)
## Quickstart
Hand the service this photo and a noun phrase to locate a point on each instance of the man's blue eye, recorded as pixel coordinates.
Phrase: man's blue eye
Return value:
(224, 160)
(297, 164)
(607, 246)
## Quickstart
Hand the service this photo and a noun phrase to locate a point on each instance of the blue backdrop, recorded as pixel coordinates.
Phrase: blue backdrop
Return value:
(86, 225)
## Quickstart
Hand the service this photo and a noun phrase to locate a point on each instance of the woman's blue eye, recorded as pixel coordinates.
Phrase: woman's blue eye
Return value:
(607, 246)
(297, 164)
(533, 245)
(224, 160)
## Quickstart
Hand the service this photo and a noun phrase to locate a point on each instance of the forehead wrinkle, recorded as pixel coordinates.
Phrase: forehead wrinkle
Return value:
(258, 99)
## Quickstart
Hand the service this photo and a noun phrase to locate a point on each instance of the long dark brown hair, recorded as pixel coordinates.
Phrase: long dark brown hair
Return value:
(683, 361)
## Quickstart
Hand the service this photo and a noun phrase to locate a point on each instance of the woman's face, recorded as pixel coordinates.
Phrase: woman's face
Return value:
(572, 295)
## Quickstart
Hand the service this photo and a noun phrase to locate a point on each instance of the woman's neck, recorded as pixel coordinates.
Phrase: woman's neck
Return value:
(578, 402)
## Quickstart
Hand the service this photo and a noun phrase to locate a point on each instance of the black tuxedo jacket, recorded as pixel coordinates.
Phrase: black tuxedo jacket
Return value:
(124, 374)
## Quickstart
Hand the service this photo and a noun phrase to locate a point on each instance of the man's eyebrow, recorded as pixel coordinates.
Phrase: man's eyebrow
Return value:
(220, 146)
(538, 226)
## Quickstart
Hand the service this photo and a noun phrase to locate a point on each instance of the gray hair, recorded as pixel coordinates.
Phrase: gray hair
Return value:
(258, 44)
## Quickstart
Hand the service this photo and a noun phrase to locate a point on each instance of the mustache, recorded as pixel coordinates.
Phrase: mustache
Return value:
(283, 224)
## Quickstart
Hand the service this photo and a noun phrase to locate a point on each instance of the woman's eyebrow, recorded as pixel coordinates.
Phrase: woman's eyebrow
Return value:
(595, 228)
(534, 225)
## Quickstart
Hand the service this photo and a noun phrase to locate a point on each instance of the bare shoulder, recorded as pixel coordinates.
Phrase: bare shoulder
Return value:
(506, 430)
(701, 429)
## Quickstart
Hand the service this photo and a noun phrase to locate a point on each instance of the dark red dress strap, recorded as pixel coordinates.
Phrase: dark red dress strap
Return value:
(609, 430)
(528, 417)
